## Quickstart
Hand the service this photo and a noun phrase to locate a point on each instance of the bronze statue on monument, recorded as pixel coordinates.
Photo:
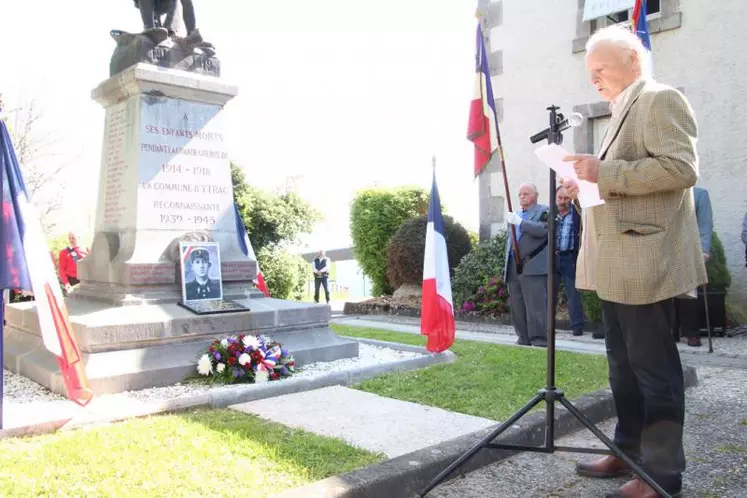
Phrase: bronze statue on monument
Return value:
(159, 43)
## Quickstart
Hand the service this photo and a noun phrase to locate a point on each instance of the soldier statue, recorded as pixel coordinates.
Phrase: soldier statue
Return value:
(151, 12)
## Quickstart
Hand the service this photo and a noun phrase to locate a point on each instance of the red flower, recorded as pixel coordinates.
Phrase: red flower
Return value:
(274, 376)
(232, 361)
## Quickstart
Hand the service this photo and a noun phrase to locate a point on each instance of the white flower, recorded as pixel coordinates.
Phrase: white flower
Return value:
(251, 341)
(261, 375)
(220, 367)
(204, 365)
(244, 359)
(224, 343)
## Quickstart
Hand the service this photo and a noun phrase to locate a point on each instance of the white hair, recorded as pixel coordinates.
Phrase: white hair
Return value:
(625, 39)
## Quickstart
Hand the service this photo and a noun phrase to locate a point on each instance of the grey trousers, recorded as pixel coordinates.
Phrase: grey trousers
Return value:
(527, 296)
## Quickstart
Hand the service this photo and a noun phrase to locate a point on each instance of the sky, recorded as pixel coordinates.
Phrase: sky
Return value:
(334, 95)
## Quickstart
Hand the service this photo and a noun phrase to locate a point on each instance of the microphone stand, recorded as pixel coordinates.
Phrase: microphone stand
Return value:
(550, 394)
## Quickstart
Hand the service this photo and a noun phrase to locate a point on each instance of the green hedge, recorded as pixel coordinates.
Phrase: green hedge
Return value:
(375, 216)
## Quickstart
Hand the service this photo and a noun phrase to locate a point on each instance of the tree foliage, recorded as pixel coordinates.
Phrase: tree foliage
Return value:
(375, 216)
(286, 274)
(407, 248)
(273, 223)
(271, 219)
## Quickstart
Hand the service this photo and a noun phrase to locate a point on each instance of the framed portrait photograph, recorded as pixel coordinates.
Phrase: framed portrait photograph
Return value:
(201, 277)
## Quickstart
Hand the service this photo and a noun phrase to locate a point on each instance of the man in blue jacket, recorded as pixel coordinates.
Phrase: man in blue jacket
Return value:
(687, 311)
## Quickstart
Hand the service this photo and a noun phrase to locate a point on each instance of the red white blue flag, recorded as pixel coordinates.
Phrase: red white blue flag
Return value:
(248, 250)
(25, 265)
(437, 312)
(639, 24)
(482, 129)
(640, 28)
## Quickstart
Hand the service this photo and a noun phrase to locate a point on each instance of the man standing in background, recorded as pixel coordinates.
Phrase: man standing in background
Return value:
(320, 266)
(687, 310)
(69, 258)
(567, 231)
(527, 280)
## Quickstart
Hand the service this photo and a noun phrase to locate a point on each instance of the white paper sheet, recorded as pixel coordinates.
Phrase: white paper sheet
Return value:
(552, 155)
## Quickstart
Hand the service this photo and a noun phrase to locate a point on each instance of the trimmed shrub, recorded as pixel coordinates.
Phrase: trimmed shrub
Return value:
(286, 274)
(477, 269)
(375, 216)
(719, 279)
(592, 306)
(407, 248)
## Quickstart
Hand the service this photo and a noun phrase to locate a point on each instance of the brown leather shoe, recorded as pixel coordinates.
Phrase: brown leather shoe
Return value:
(607, 466)
(637, 488)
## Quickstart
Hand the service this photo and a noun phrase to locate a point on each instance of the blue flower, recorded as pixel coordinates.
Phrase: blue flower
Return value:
(217, 355)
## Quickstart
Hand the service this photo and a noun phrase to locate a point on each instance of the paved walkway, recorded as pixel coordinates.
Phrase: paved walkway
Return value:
(715, 448)
(729, 352)
(715, 430)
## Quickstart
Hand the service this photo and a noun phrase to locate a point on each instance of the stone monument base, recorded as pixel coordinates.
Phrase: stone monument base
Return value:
(128, 348)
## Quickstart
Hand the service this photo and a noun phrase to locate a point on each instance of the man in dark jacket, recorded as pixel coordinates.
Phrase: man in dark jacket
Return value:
(202, 287)
(527, 281)
(320, 267)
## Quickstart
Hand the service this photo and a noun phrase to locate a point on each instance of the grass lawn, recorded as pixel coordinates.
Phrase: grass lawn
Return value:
(486, 380)
(199, 453)
(333, 296)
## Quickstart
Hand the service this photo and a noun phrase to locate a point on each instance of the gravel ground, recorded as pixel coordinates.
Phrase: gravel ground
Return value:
(715, 446)
(733, 347)
(20, 390)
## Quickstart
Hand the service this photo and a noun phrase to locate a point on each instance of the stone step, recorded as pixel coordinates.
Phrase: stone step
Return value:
(100, 327)
(136, 347)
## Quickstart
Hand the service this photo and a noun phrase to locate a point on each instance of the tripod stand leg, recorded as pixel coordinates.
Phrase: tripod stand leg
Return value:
(612, 446)
(482, 443)
(708, 318)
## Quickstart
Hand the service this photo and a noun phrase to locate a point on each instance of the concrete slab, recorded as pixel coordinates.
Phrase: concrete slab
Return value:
(366, 420)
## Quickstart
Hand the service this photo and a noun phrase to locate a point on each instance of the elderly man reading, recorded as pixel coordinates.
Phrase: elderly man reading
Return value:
(641, 249)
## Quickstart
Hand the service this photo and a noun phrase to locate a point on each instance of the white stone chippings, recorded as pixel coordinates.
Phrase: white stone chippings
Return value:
(20, 390)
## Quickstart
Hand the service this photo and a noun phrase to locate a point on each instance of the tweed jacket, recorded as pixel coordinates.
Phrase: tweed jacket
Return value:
(645, 245)
(533, 235)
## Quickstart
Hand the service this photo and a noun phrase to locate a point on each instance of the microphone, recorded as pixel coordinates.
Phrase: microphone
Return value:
(574, 120)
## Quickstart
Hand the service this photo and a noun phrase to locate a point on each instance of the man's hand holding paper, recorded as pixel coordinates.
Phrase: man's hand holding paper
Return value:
(581, 168)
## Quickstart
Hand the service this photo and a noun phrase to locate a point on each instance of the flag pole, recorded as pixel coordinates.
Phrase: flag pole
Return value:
(2, 340)
(514, 242)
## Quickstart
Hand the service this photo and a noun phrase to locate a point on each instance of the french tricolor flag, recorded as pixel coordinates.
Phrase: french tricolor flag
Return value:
(482, 129)
(437, 313)
(246, 247)
(25, 265)
(640, 28)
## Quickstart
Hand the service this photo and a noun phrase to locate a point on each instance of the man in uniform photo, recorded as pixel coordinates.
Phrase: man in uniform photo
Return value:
(201, 287)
